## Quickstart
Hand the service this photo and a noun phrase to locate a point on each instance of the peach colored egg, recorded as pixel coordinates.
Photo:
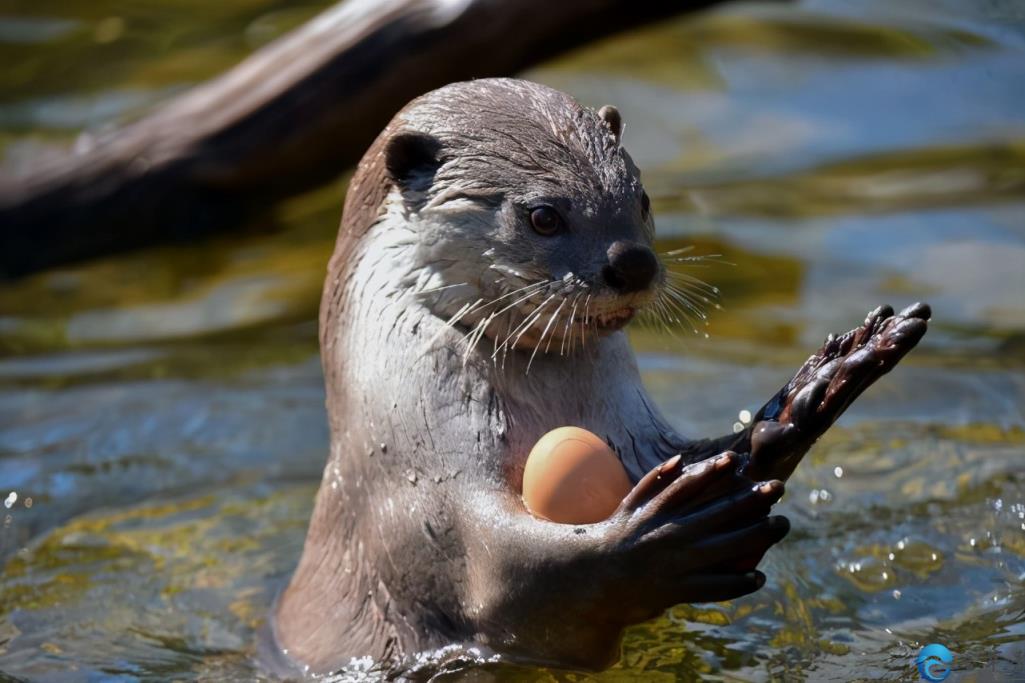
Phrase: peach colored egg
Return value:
(573, 477)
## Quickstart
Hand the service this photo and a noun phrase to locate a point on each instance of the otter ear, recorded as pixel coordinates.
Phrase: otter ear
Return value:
(610, 115)
(412, 160)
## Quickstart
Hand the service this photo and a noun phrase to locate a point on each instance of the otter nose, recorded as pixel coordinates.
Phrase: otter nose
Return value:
(631, 267)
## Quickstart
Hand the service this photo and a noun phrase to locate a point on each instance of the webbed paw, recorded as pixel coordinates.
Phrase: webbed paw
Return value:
(696, 532)
(828, 382)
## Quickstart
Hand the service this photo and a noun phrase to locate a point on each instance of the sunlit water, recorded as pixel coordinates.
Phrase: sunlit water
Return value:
(161, 414)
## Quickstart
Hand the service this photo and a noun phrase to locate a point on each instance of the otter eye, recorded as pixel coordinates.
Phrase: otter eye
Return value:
(645, 204)
(545, 220)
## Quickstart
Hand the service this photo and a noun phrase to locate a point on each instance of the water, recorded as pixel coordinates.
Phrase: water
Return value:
(161, 418)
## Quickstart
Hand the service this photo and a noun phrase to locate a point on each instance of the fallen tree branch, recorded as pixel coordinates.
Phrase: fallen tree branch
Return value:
(290, 117)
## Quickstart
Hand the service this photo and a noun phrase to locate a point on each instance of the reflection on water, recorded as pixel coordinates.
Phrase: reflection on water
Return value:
(161, 413)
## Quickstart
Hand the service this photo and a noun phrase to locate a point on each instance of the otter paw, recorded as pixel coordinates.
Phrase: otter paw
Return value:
(828, 382)
(690, 533)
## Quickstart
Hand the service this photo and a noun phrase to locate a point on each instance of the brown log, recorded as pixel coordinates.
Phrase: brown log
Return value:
(290, 117)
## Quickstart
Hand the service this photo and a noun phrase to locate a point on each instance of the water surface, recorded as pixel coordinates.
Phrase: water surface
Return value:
(161, 413)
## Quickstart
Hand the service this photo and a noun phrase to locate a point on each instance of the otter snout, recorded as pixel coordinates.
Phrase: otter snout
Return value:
(631, 268)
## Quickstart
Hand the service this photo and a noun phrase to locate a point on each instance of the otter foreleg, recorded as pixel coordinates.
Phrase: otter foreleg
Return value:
(562, 594)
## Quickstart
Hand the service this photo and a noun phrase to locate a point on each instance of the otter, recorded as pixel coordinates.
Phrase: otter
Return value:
(495, 241)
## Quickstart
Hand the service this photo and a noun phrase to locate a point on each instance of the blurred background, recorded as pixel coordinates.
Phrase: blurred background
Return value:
(162, 428)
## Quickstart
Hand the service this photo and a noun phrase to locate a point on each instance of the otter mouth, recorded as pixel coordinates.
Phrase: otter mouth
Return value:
(574, 329)
(610, 321)
(542, 321)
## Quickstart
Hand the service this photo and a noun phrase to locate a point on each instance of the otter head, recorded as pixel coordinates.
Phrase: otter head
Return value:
(532, 225)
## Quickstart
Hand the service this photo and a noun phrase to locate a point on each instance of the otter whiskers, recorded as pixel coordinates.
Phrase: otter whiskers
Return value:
(572, 289)
(529, 321)
(546, 309)
(544, 332)
(473, 336)
(570, 328)
(454, 319)
(683, 298)
(432, 290)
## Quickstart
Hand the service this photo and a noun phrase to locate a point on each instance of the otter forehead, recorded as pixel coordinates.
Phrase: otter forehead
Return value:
(525, 138)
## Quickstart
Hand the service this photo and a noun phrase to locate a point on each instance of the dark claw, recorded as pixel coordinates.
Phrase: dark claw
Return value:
(718, 587)
(880, 313)
(671, 486)
(917, 310)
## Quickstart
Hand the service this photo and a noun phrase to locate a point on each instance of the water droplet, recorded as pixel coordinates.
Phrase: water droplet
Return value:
(745, 416)
(737, 428)
(11, 499)
(837, 471)
(896, 594)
